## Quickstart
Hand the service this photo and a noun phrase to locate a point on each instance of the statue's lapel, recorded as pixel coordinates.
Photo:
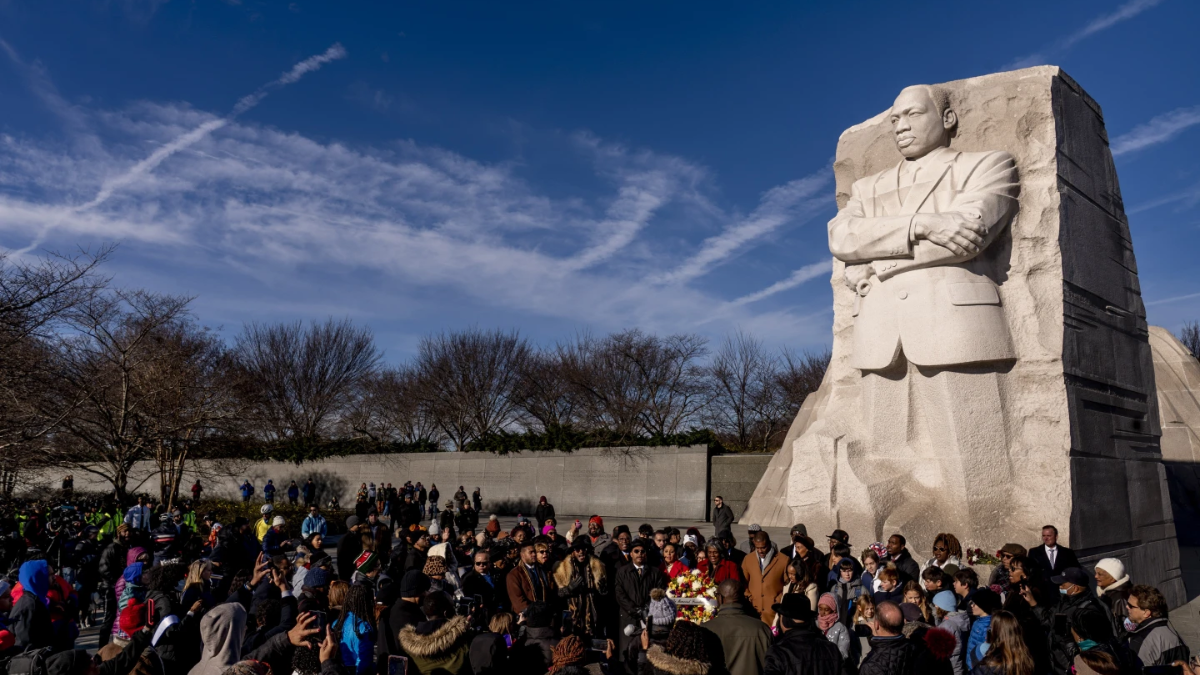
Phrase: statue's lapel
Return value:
(887, 195)
(916, 197)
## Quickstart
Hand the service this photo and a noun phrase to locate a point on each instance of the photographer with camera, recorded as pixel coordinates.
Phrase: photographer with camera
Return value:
(633, 585)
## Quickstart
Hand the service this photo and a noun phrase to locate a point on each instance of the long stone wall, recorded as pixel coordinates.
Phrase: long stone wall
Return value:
(643, 482)
(734, 478)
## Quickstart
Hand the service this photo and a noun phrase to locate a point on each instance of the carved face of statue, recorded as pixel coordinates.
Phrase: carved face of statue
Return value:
(918, 126)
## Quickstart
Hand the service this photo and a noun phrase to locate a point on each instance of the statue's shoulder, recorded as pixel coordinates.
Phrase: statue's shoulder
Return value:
(994, 157)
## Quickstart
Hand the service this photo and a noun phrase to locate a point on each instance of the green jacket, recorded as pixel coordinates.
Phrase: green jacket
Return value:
(744, 638)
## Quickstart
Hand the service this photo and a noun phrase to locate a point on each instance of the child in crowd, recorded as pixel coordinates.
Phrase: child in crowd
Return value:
(889, 586)
(870, 562)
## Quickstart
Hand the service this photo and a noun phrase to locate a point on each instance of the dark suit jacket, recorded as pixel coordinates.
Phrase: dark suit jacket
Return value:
(633, 591)
(1065, 558)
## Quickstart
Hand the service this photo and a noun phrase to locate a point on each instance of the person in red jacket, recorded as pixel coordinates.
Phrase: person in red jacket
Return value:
(716, 568)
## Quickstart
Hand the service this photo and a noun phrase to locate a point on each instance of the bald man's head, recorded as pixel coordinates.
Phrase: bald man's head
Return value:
(729, 590)
(922, 120)
(889, 620)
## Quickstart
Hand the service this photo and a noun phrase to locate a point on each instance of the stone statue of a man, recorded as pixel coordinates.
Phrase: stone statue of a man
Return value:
(930, 335)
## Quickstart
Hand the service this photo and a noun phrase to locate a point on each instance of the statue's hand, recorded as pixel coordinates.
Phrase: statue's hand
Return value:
(856, 274)
(962, 234)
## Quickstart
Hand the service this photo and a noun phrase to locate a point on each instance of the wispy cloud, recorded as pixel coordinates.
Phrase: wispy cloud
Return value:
(1186, 199)
(190, 138)
(792, 202)
(1123, 13)
(1177, 298)
(1159, 129)
(800, 276)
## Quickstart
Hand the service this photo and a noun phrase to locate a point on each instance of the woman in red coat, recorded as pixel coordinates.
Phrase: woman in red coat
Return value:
(716, 568)
(672, 566)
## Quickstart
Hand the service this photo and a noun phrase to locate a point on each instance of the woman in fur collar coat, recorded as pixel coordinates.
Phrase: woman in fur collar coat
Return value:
(581, 581)
(689, 650)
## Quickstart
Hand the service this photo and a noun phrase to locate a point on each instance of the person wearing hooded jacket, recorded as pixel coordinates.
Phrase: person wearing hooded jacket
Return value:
(957, 623)
(29, 619)
(442, 642)
(222, 631)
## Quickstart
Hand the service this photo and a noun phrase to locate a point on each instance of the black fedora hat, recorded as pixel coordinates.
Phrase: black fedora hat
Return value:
(794, 606)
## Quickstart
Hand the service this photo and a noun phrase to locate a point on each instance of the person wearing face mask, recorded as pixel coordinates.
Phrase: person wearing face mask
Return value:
(1078, 610)
(1151, 638)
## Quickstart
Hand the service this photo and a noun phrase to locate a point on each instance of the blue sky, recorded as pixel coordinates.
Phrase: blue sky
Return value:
(549, 167)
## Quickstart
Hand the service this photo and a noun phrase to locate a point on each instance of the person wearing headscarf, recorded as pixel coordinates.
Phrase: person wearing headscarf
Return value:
(29, 619)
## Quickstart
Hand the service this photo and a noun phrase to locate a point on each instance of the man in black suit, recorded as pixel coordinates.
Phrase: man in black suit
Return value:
(633, 585)
(1052, 557)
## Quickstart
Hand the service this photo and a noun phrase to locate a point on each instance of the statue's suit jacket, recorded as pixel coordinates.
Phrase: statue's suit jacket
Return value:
(936, 306)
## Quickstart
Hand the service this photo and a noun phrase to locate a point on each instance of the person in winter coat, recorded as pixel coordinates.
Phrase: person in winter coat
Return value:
(1153, 640)
(744, 638)
(29, 620)
(543, 512)
(112, 564)
(827, 622)
(269, 491)
(356, 629)
(1113, 587)
(715, 567)
(893, 654)
(890, 589)
(1007, 653)
(582, 583)
(847, 589)
(722, 516)
(947, 555)
(688, 650)
(441, 643)
(293, 492)
(897, 548)
(222, 631)
(763, 571)
(247, 491)
(800, 649)
(957, 623)
(984, 603)
(349, 547)
(314, 522)
(1082, 611)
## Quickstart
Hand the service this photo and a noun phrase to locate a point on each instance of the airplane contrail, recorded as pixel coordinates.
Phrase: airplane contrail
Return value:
(112, 185)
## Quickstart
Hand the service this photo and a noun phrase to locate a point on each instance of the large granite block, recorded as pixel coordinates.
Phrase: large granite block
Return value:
(984, 413)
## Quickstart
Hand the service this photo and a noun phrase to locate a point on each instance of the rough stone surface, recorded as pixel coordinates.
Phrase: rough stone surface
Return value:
(1076, 442)
(1177, 375)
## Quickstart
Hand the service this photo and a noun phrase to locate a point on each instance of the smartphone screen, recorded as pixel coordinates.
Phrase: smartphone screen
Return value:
(599, 645)
(397, 665)
(318, 621)
(508, 640)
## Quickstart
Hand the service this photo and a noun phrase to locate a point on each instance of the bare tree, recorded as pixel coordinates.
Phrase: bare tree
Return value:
(34, 301)
(300, 381)
(192, 374)
(545, 396)
(392, 408)
(469, 381)
(746, 408)
(801, 375)
(112, 360)
(632, 383)
(1189, 335)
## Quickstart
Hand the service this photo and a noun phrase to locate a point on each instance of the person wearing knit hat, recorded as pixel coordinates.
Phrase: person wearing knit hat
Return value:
(953, 620)
(1112, 585)
(686, 651)
(435, 567)
(984, 602)
(317, 578)
(595, 529)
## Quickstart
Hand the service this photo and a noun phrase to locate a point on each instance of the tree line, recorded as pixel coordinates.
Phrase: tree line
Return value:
(96, 378)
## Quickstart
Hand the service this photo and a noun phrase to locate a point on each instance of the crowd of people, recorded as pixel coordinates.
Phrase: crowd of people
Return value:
(414, 590)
